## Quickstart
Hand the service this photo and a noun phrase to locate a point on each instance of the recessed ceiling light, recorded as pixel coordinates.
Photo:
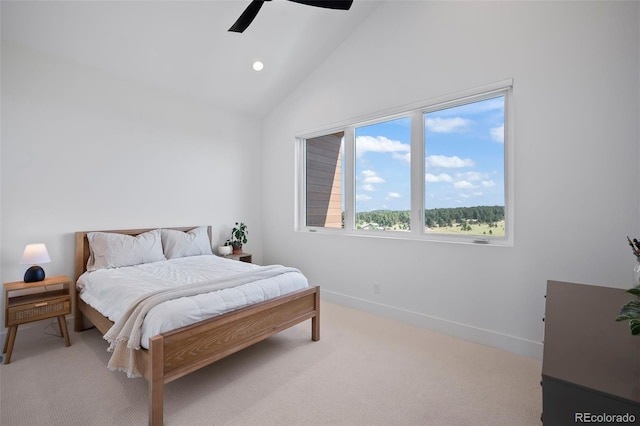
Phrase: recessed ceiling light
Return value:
(257, 65)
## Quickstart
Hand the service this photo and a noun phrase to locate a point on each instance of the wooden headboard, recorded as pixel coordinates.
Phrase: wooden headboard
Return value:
(82, 244)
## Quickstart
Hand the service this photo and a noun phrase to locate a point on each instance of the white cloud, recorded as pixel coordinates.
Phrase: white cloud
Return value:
(362, 197)
(404, 157)
(370, 177)
(446, 125)
(448, 162)
(442, 177)
(472, 176)
(497, 133)
(463, 181)
(394, 195)
(463, 184)
(373, 179)
(366, 144)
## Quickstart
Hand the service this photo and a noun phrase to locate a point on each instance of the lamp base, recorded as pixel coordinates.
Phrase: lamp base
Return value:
(34, 274)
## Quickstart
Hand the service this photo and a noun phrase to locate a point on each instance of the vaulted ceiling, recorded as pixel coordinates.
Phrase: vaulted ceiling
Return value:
(184, 47)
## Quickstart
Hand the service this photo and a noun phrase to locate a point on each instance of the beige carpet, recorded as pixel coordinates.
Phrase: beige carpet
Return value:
(365, 370)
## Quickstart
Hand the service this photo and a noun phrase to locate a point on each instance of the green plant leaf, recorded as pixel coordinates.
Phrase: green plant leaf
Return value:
(628, 316)
(635, 291)
(634, 325)
(629, 311)
(633, 305)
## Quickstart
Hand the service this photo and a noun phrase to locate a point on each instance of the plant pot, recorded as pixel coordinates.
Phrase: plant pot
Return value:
(237, 248)
(225, 250)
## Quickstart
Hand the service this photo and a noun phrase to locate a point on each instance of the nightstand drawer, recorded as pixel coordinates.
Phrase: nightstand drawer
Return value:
(37, 310)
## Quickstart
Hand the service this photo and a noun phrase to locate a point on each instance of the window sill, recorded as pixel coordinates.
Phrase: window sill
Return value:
(415, 236)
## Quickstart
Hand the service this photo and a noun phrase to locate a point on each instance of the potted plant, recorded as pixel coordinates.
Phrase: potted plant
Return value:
(239, 237)
(226, 248)
(630, 311)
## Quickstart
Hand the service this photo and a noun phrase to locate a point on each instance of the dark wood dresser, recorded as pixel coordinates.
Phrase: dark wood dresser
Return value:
(591, 364)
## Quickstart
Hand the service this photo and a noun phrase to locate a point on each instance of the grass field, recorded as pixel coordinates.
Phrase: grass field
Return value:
(476, 229)
(480, 229)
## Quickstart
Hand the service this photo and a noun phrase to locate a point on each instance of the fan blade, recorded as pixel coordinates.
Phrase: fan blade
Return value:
(247, 16)
(327, 4)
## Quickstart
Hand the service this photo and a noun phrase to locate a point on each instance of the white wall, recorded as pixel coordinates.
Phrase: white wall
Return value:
(86, 150)
(576, 73)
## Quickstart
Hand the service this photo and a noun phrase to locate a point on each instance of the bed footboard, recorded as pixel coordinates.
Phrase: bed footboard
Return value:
(177, 353)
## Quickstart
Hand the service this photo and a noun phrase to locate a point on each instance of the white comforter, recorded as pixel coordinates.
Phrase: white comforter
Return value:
(112, 291)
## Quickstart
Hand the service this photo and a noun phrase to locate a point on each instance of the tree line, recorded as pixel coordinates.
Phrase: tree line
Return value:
(434, 217)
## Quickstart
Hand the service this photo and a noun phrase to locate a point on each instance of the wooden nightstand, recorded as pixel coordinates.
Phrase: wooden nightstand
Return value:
(242, 257)
(28, 302)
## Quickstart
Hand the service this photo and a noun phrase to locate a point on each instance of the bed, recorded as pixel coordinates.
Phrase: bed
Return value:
(170, 355)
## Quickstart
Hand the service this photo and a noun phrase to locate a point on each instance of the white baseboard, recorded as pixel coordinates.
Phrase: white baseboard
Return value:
(491, 338)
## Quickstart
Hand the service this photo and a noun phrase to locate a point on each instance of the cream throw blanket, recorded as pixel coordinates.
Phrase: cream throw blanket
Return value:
(125, 335)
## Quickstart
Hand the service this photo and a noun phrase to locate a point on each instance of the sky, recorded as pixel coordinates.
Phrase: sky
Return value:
(464, 159)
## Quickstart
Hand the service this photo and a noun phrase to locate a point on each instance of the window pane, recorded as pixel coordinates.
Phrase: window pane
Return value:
(383, 175)
(464, 169)
(324, 181)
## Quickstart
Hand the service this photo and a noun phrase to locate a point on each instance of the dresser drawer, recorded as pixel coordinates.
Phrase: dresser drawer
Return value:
(37, 310)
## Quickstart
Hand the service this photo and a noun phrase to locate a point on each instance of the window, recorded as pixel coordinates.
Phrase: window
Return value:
(324, 181)
(464, 169)
(435, 171)
(383, 175)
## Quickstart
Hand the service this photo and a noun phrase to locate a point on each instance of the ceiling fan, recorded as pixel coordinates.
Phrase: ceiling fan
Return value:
(252, 10)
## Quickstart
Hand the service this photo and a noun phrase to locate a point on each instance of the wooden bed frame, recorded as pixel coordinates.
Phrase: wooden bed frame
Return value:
(174, 354)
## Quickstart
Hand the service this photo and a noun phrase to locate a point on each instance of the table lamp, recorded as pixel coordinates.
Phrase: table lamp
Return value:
(33, 254)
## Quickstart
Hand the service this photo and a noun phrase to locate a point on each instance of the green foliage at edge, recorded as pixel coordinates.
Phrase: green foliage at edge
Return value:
(630, 311)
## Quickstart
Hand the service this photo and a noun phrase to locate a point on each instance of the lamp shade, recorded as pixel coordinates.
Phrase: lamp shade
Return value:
(34, 254)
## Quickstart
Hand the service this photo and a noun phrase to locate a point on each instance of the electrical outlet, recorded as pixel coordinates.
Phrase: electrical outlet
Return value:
(376, 288)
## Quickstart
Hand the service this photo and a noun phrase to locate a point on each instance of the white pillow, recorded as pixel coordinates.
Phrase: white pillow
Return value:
(182, 244)
(110, 250)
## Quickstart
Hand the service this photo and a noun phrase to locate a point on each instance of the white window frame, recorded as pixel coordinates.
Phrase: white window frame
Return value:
(416, 111)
